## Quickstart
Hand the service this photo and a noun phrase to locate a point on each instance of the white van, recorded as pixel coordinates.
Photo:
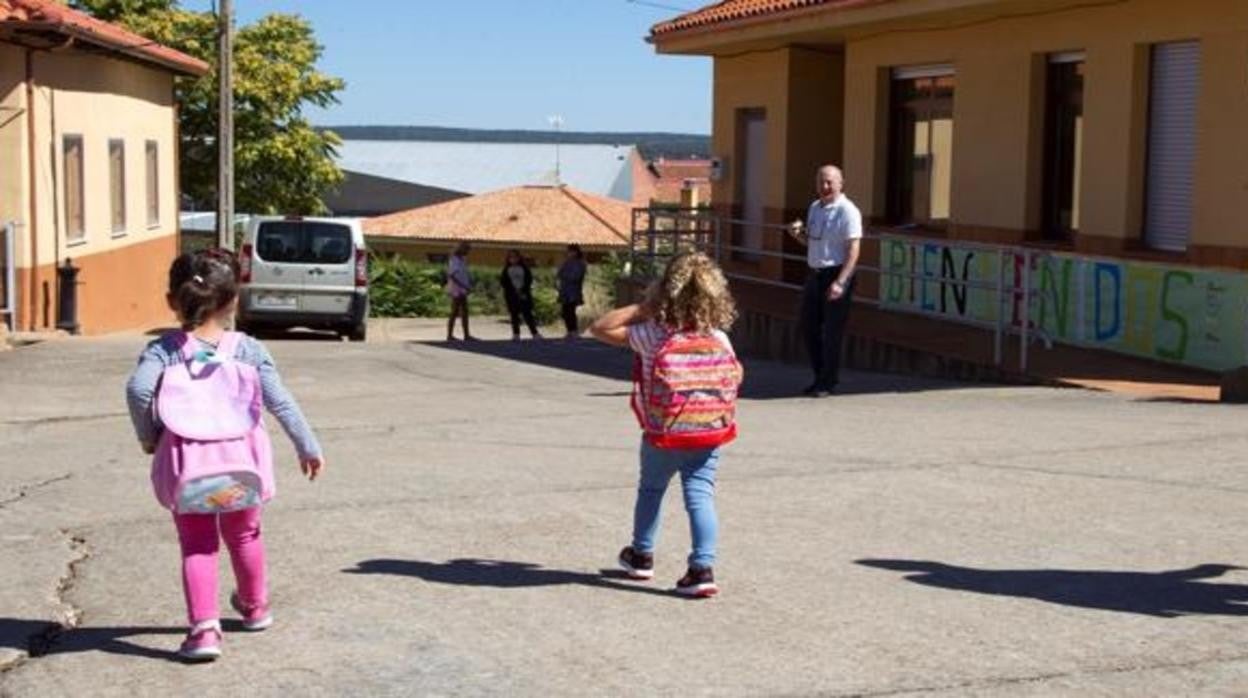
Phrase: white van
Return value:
(304, 272)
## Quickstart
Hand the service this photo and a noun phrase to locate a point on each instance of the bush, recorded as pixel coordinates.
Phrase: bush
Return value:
(404, 288)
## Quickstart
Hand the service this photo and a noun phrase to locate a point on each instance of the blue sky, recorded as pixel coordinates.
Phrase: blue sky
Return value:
(502, 63)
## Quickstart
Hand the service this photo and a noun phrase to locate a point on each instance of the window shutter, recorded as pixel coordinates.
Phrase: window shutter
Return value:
(1172, 145)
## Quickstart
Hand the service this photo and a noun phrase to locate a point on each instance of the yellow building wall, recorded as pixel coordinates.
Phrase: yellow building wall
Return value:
(98, 98)
(801, 90)
(998, 113)
(751, 81)
(14, 172)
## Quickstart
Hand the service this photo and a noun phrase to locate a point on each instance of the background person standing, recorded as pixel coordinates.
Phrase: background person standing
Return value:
(832, 235)
(458, 286)
(571, 277)
(517, 282)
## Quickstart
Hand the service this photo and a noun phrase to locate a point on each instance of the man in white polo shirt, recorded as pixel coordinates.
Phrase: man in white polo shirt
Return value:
(832, 235)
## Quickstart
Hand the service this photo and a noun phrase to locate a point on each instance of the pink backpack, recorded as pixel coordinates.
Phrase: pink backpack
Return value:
(214, 454)
(690, 399)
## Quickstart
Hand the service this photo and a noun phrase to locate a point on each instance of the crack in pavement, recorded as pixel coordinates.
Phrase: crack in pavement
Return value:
(69, 617)
(23, 490)
(1008, 681)
(1138, 479)
(45, 421)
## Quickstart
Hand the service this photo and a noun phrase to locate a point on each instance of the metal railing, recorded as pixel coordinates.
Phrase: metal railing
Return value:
(8, 267)
(659, 234)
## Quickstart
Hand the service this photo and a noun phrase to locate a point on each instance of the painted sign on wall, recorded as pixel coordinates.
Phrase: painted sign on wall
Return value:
(1183, 315)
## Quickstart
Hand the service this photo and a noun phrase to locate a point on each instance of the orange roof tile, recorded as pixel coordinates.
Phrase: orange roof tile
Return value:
(46, 15)
(519, 215)
(732, 11)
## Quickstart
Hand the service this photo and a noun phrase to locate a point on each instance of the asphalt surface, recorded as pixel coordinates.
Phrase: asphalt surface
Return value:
(904, 537)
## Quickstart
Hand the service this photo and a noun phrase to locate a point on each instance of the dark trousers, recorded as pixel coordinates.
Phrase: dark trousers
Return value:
(521, 307)
(569, 317)
(823, 322)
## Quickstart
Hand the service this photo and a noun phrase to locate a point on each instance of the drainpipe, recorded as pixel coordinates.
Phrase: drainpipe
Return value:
(34, 209)
(56, 198)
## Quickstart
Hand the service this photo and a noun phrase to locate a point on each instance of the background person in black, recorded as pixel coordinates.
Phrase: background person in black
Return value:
(571, 277)
(517, 283)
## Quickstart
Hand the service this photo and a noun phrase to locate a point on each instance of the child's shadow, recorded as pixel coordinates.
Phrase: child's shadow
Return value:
(500, 574)
(39, 638)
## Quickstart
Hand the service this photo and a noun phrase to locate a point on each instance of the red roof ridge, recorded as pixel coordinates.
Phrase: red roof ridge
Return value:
(49, 15)
(569, 192)
(738, 11)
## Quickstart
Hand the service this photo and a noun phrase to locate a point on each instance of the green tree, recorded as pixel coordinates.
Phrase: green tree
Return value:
(282, 163)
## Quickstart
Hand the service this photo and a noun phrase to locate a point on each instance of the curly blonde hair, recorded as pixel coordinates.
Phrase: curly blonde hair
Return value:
(692, 295)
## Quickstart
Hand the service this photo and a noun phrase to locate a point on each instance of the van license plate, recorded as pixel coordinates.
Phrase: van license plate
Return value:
(282, 301)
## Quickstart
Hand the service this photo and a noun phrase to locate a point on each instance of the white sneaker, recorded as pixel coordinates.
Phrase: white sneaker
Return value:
(254, 619)
(203, 642)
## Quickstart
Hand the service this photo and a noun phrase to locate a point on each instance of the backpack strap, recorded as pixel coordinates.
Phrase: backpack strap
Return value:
(637, 399)
(227, 349)
(187, 346)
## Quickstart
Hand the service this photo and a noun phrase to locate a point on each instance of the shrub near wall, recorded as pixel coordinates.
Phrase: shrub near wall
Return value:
(404, 288)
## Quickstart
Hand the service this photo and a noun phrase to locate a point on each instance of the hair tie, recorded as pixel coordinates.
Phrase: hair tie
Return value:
(199, 280)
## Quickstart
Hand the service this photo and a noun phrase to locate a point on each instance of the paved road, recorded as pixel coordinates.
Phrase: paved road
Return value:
(907, 537)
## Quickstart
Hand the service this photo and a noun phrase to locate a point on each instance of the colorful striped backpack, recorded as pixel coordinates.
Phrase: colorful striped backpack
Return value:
(690, 399)
(214, 454)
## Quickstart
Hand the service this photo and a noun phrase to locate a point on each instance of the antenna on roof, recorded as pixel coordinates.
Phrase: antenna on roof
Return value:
(556, 122)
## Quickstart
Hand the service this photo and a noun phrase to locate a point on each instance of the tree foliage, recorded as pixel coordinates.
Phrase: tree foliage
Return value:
(282, 164)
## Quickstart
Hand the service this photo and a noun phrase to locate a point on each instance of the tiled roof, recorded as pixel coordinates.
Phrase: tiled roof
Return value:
(46, 15)
(729, 11)
(520, 215)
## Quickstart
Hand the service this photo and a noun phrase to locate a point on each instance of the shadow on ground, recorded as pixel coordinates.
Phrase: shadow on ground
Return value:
(502, 574)
(1168, 594)
(764, 380)
(39, 638)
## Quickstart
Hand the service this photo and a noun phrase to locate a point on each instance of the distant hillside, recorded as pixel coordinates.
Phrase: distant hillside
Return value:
(651, 145)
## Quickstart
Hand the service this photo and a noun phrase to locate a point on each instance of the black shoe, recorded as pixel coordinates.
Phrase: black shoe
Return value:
(810, 389)
(637, 565)
(821, 391)
(698, 582)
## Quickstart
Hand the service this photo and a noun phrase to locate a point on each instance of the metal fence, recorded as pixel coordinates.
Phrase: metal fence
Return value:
(659, 234)
(8, 275)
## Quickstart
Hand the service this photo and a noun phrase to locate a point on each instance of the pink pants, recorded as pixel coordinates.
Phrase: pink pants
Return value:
(198, 536)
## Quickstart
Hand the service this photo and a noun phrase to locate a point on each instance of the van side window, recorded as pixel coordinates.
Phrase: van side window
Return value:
(304, 242)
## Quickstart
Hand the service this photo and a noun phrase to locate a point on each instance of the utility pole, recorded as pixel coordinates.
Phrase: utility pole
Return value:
(225, 132)
(557, 122)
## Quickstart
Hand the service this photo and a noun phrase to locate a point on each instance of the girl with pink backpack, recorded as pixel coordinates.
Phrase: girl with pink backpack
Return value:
(196, 401)
(685, 382)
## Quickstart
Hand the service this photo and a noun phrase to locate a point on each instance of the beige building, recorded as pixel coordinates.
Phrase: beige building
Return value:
(1098, 131)
(89, 146)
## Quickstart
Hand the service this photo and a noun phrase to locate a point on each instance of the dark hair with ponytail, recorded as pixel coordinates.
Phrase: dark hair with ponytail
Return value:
(202, 284)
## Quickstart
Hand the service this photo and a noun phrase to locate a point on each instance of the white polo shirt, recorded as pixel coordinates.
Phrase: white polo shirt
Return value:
(829, 228)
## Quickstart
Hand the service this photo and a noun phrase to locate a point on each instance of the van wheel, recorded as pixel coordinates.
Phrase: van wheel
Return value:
(358, 333)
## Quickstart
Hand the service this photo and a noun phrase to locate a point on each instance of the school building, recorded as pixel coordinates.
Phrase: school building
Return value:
(1092, 154)
(88, 167)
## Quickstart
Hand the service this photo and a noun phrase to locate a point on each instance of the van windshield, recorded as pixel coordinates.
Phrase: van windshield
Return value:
(301, 242)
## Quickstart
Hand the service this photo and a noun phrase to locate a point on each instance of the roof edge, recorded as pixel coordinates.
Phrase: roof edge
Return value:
(48, 16)
(686, 26)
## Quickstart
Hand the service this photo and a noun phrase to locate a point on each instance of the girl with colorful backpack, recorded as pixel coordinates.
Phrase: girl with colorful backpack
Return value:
(196, 401)
(685, 382)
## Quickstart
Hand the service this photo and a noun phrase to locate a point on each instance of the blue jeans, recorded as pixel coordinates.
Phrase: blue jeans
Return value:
(697, 480)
